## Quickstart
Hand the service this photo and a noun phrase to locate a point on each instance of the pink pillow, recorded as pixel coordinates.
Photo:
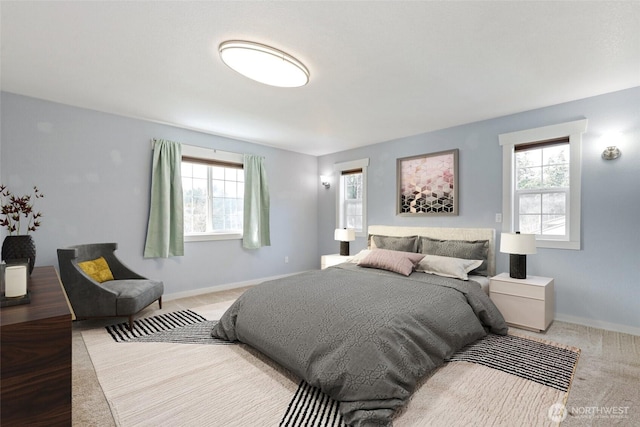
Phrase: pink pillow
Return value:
(396, 261)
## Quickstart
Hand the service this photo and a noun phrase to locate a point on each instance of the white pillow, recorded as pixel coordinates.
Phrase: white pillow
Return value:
(359, 256)
(448, 266)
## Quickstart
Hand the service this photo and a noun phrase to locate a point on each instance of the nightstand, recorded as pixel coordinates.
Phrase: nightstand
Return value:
(525, 303)
(333, 259)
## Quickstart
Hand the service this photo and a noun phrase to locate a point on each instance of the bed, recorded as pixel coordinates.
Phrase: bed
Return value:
(367, 331)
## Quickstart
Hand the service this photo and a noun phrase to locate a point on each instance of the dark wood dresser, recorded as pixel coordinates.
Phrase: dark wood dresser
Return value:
(35, 348)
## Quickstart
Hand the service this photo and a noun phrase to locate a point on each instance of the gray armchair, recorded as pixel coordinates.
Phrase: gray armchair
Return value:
(124, 296)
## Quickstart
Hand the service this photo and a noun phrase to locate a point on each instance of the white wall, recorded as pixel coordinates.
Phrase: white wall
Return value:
(598, 285)
(95, 170)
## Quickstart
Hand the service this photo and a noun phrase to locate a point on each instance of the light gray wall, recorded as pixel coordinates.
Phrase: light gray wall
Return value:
(598, 285)
(94, 169)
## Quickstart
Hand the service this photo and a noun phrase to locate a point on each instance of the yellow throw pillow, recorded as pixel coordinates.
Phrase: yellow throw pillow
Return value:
(97, 269)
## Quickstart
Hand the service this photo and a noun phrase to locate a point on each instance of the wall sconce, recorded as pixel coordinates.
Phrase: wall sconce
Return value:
(324, 180)
(611, 153)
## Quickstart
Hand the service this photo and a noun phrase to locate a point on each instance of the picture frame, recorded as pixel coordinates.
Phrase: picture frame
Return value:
(427, 184)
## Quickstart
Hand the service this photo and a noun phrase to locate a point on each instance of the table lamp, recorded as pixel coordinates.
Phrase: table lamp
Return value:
(518, 246)
(344, 235)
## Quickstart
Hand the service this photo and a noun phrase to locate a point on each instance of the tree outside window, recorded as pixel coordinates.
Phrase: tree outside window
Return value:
(542, 189)
(213, 198)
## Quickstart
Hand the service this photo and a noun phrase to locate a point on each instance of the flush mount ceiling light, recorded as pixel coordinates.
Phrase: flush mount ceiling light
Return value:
(264, 64)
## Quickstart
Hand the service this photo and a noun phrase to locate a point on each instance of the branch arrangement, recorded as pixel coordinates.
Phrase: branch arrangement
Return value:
(15, 209)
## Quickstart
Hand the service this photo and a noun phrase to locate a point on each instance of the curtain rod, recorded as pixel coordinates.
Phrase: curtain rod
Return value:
(215, 150)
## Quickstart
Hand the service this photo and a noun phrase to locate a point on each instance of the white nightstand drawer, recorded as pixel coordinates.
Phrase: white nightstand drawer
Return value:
(519, 311)
(518, 289)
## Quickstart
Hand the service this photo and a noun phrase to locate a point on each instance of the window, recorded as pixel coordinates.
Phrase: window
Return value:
(541, 188)
(213, 191)
(351, 211)
(541, 193)
(352, 192)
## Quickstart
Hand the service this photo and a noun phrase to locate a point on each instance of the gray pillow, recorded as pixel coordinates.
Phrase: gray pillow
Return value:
(394, 243)
(465, 249)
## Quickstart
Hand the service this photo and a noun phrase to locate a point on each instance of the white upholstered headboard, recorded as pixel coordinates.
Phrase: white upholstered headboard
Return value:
(445, 234)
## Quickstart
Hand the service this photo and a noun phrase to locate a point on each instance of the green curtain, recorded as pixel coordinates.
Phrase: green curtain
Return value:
(256, 204)
(165, 232)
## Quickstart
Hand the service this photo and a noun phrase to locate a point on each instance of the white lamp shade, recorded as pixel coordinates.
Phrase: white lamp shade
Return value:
(345, 234)
(521, 244)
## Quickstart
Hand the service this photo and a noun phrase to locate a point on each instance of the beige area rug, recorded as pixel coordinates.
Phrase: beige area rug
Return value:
(175, 384)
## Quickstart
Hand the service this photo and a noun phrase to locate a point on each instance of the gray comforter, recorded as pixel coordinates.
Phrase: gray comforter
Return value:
(363, 336)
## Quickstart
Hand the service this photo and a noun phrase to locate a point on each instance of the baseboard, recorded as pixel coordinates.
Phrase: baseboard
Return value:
(219, 288)
(625, 329)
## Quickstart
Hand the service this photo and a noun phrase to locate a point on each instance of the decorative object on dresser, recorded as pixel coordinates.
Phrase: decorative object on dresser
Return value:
(15, 209)
(525, 303)
(428, 184)
(344, 236)
(18, 249)
(13, 284)
(35, 379)
(518, 246)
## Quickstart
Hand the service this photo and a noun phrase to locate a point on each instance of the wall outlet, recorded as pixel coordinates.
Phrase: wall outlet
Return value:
(498, 217)
(286, 259)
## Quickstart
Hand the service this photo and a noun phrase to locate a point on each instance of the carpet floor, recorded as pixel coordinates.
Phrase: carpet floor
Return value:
(607, 377)
(156, 376)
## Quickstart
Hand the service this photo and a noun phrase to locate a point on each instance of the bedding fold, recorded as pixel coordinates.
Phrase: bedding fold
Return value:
(363, 336)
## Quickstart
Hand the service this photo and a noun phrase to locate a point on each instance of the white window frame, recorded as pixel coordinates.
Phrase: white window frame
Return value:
(211, 155)
(338, 168)
(508, 141)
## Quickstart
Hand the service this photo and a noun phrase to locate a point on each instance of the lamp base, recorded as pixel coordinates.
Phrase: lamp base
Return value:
(344, 248)
(518, 266)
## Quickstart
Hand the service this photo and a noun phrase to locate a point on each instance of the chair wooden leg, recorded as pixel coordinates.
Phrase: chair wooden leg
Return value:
(160, 302)
(131, 323)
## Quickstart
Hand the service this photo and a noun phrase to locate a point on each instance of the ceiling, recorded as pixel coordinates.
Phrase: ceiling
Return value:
(380, 70)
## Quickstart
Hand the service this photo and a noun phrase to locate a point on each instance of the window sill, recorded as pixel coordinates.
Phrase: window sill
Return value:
(209, 237)
(558, 244)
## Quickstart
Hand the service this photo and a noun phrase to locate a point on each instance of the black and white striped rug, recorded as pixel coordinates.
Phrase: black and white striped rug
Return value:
(532, 360)
(195, 333)
(310, 407)
(526, 358)
(151, 325)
